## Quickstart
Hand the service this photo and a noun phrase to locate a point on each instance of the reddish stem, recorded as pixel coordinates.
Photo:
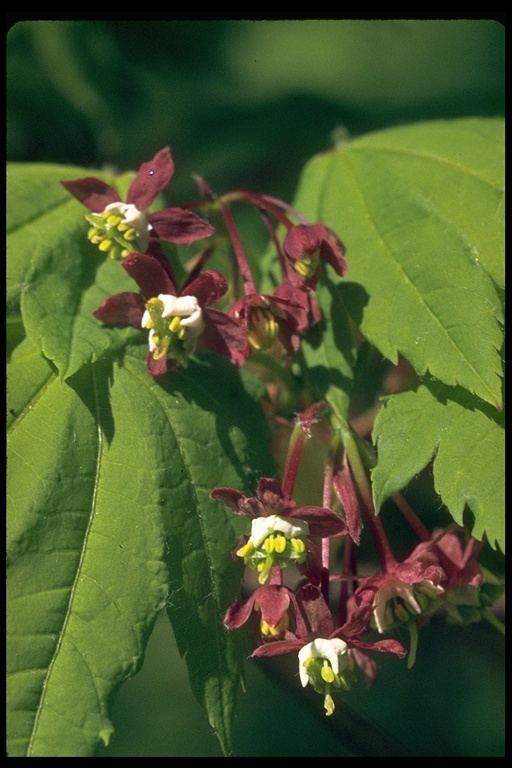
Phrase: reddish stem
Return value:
(241, 258)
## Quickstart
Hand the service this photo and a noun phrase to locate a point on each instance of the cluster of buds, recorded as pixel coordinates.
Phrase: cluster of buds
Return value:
(177, 319)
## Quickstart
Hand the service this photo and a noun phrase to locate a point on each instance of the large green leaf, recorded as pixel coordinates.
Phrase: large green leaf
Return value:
(108, 521)
(467, 438)
(420, 210)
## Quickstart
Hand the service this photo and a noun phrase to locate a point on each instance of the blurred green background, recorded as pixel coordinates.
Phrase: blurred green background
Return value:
(246, 104)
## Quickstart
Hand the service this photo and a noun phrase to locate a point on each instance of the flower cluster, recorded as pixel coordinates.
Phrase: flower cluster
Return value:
(309, 596)
(178, 318)
(335, 639)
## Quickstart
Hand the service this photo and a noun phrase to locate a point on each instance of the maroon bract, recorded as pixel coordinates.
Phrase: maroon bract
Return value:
(176, 322)
(271, 602)
(267, 318)
(120, 228)
(306, 246)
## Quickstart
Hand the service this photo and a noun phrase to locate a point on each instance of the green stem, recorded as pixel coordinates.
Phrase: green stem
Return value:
(492, 619)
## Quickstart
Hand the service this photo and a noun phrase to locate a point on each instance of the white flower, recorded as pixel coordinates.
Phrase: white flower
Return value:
(263, 526)
(335, 651)
(131, 216)
(185, 307)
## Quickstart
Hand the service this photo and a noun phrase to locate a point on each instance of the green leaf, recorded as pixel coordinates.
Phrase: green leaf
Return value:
(55, 277)
(28, 373)
(211, 433)
(86, 569)
(467, 439)
(108, 521)
(420, 210)
(328, 350)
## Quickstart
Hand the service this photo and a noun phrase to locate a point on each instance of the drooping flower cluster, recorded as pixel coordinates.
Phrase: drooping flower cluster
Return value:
(335, 639)
(335, 620)
(178, 319)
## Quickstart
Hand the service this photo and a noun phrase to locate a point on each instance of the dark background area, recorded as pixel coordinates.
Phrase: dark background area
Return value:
(245, 104)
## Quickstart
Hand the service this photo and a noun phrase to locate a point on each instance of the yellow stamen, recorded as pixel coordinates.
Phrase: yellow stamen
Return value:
(327, 672)
(401, 612)
(246, 550)
(307, 266)
(263, 328)
(298, 545)
(161, 349)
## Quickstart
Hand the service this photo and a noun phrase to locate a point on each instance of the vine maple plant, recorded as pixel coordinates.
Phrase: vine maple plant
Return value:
(165, 380)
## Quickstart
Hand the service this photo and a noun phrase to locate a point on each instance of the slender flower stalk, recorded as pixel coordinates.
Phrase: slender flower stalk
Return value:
(238, 248)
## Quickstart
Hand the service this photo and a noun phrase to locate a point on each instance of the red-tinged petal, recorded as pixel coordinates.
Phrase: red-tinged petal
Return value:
(224, 336)
(239, 613)
(321, 520)
(93, 193)
(278, 648)
(331, 252)
(154, 251)
(151, 179)
(178, 225)
(389, 646)
(314, 618)
(414, 572)
(307, 239)
(273, 601)
(208, 287)
(229, 496)
(269, 490)
(344, 487)
(161, 366)
(149, 274)
(121, 309)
